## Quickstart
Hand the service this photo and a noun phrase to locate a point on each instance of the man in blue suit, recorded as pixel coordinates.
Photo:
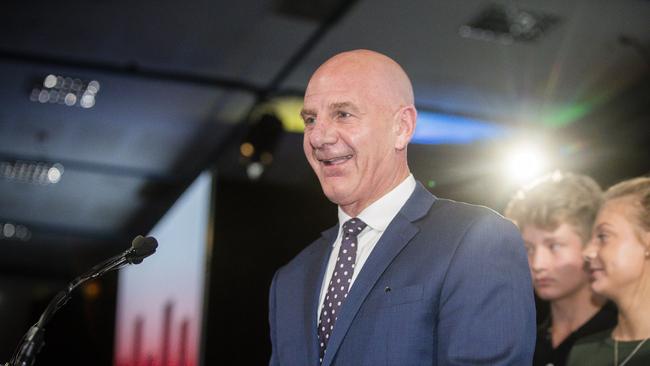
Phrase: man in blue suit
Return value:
(405, 278)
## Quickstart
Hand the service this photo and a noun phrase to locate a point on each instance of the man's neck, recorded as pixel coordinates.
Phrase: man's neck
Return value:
(570, 313)
(355, 208)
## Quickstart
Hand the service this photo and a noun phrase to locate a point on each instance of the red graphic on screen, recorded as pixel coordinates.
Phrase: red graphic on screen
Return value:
(169, 353)
(160, 301)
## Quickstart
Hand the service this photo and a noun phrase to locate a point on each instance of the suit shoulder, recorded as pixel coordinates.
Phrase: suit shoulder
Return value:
(461, 212)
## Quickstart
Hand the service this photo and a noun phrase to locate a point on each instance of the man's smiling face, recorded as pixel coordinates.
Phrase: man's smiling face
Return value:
(352, 138)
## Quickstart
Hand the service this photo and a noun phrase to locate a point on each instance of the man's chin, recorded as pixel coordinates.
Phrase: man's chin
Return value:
(337, 194)
(546, 295)
(335, 198)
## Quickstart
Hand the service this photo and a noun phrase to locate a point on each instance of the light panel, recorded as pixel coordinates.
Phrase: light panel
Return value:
(438, 128)
(67, 91)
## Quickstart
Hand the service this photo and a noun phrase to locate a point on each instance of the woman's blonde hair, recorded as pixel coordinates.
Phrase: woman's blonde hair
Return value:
(638, 191)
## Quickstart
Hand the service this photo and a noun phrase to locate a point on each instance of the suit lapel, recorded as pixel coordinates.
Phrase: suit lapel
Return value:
(314, 272)
(394, 239)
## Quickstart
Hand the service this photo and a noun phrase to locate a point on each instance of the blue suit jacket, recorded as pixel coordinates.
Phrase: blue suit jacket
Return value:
(447, 284)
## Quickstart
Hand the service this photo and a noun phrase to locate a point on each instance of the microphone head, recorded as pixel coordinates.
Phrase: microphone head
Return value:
(141, 248)
(137, 241)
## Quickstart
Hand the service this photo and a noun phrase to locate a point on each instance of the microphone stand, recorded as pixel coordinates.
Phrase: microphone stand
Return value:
(33, 341)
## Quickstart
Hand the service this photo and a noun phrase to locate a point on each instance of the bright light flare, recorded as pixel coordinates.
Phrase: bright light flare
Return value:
(524, 163)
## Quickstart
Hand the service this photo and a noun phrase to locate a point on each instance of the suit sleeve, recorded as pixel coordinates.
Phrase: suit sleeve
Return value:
(487, 308)
(274, 354)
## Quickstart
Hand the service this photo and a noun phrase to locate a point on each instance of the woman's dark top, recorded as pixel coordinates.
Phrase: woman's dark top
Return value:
(598, 350)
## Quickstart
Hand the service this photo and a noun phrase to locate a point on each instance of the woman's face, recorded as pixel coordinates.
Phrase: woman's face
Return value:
(616, 253)
(555, 260)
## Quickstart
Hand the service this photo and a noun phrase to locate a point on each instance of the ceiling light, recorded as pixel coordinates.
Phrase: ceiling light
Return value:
(507, 24)
(31, 172)
(13, 231)
(93, 87)
(70, 99)
(54, 173)
(66, 91)
(50, 81)
(87, 100)
(9, 230)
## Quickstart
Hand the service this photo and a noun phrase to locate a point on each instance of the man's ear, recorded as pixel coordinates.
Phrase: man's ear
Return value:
(405, 126)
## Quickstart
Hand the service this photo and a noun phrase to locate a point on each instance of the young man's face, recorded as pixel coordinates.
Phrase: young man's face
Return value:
(555, 260)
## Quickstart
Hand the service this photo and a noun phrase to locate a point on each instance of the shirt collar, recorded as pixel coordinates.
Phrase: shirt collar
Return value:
(381, 212)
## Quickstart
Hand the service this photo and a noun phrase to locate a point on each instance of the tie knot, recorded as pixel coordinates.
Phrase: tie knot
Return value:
(353, 226)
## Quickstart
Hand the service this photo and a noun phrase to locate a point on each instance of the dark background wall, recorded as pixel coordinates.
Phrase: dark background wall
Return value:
(258, 228)
(82, 330)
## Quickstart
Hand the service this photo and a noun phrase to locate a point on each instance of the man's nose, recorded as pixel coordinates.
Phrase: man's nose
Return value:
(539, 260)
(322, 133)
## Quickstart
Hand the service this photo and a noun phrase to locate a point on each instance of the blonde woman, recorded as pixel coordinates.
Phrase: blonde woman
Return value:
(619, 261)
(555, 215)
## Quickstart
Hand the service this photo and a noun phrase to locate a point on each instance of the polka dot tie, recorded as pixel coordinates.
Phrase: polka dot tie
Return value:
(337, 290)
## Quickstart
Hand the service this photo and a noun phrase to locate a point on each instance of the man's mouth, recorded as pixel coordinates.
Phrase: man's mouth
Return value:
(593, 270)
(545, 281)
(336, 160)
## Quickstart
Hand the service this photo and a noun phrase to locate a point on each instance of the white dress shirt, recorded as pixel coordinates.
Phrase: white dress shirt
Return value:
(377, 216)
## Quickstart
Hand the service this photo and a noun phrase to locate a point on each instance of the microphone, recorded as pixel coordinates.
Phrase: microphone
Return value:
(32, 341)
(141, 248)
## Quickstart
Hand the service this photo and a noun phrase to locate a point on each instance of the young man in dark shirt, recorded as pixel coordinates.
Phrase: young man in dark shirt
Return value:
(555, 215)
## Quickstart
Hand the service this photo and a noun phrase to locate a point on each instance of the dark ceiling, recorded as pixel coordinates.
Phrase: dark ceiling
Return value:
(178, 80)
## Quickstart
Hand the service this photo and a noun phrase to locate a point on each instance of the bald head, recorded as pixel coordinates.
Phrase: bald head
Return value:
(359, 118)
(378, 73)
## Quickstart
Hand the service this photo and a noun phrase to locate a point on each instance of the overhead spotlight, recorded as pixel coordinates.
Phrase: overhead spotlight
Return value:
(524, 163)
(507, 23)
(31, 172)
(257, 148)
(66, 91)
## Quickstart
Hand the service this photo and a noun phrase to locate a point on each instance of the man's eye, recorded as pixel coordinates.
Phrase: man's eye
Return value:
(309, 120)
(344, 114)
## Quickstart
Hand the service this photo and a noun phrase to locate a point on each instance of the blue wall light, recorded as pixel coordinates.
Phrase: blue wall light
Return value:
(437, 128)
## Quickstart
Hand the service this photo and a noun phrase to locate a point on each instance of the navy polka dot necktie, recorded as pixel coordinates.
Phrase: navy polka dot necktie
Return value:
(337, 289)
